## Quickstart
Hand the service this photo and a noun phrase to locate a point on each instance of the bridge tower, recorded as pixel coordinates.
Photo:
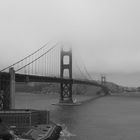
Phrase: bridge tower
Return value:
(103, 80)
(7, 90)
(66, 87)
(104, 86)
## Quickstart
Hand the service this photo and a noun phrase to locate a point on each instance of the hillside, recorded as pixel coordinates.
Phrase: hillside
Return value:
(122, 90)
(51, 88)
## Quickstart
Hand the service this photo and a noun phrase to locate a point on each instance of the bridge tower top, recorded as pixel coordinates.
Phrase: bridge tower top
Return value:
(63, 65)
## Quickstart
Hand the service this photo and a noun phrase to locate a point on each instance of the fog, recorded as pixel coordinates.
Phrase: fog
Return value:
(105, 33)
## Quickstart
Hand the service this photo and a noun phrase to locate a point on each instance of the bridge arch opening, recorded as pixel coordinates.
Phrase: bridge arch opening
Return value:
(66, 73)
(66, 60)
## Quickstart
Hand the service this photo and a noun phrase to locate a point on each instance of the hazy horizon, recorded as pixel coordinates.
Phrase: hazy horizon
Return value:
(105, 34)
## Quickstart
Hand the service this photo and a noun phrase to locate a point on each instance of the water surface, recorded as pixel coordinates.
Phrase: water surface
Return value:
(106, 118)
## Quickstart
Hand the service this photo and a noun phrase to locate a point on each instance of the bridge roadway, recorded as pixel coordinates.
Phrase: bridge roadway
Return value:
(36, 78)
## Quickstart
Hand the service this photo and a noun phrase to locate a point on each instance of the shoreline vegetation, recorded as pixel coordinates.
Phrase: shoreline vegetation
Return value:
(51, 88)
(54, 88)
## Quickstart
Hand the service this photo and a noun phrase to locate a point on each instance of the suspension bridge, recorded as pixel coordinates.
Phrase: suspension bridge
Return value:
(50, 63)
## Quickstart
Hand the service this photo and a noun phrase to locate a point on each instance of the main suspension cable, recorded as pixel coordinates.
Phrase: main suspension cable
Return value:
(25, 57)
(37, 58)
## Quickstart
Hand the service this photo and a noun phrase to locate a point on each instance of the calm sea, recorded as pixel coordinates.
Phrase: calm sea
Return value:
(106, 118)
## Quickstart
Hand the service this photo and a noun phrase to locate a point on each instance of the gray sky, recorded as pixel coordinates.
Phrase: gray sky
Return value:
(105, 33)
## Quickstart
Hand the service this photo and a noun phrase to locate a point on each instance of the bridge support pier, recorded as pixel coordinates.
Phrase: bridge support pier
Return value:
(66, 87)
(66, 93)
(7, 90)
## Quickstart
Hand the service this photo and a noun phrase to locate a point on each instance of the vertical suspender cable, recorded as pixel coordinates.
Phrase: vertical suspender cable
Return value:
(45, 64)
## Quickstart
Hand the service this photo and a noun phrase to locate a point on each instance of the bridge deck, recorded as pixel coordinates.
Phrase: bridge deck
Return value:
(35, 78)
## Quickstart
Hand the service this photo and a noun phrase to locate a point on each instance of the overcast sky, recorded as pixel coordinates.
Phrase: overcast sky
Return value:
(105, 33)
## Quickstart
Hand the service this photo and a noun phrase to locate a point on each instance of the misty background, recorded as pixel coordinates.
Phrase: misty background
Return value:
(104, 33)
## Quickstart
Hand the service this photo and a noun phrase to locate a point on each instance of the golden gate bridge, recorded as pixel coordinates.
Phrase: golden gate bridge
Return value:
(50, 63)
